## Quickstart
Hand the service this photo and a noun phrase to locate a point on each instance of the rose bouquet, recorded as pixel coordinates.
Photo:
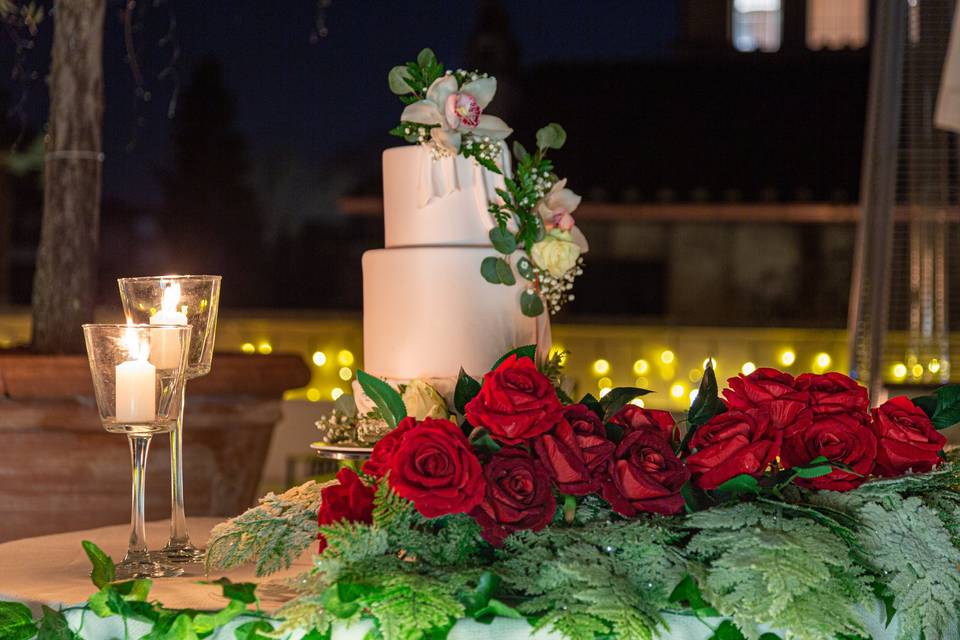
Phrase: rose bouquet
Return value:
(784, 503)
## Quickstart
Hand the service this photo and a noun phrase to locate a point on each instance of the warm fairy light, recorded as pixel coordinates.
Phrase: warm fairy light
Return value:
(822, 360)
(642, 382)
(666, 357)
(604, 391)
(313, 395)
(694, 375)
(319, 358)
(345, 358)
(345, 373)
(748, 368)
(933, 366)
(917, 370)
(604, 382)
(641, 366)
(788, 357)
(248, 348)
(712, 362)
(265, 348)
(693, 395)
(638, 402)
(336, 392)
(601, 367)
(899, 371)
(677, 390)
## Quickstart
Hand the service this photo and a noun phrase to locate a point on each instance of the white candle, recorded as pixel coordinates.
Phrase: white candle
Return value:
(166, 344)
(136, 387)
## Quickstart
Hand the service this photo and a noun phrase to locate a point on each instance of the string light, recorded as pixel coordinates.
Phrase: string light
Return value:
(637, 402)
(604, 382)
(899, 371)
(313, 395)
(265, 348)
(604, 391)
(917, 370)
(822, 360)
(248, 348)
(933, 366)
(695, 375)
(788, 357)
(667, 356)
(319, 358)
(748, 368)
(345, 373)
(336, 392)
(642, 382)
(677, 390)
(601, 367)
(641, 366)
(345, 358)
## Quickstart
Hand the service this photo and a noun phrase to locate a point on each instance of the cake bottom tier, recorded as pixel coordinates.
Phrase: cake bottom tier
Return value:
(427, 312)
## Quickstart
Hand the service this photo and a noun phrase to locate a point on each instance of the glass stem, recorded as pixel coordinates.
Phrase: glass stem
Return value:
(139, 447)
(178, 518)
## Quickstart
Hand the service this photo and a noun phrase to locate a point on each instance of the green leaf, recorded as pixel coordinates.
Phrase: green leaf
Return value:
(397, 79)
(480, 440)
(16, 621)
(551, 136)
(519, 152)
(98, 603)
(740, 485)
(525, 269)
(591, 402)
(688, 591)
(181, 629)
(466, 390)
(526, 351)
(104, 571)
(426, 58)
(136, 590)
(204, 623)
(706, 405)
(53, 626)
(948, 406)
(488, 269)
(243, 591)
(505, 273)
(530, 304)
(477, 598)
(496, 609)
(386, 398)
(250, 630)
(814, 469)
(886, 596)
(928, 404)
(616, 398)
(335, 606)
(503, 241)
(727, 631)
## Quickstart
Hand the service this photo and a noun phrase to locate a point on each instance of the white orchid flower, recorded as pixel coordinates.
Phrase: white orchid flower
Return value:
(457, 110)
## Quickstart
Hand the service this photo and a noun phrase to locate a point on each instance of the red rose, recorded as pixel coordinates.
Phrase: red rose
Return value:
(732, 443)
(516, 402)
(645, 476)
(632, 417)
(908, 440)
(833, 393)
(382, 452)
(840, 437)
(519, 496)
(560, 453)
(591, 436)
(773, 390)
(434, 467)
(350, 499)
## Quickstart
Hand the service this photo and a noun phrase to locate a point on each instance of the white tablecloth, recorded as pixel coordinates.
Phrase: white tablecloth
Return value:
(54, 570)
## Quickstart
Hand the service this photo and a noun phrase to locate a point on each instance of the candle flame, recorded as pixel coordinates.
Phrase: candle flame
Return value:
(171, 298)
(137, 349)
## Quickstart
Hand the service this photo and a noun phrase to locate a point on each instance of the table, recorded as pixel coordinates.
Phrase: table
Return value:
(54, 570)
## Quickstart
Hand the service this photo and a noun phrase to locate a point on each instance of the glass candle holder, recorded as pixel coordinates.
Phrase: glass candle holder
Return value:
(139, 392)
(177, 300)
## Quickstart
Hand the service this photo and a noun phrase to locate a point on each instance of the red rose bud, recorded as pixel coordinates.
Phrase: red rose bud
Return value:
(908, 440)
(833, 393)
(591, 436)
(516, 402)
(632, 418)
(349, 500)
(645, 476)
(560, 453)
(434, 467)
(733, 443)
(769, 389)
(382, 452)
(519, 496)
(839, 437)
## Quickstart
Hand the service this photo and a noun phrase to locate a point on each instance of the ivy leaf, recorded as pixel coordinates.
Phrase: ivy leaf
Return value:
(488, 269)
(386, 398)
(519, 152)
(503, 241)
(466, 390)
(242, 591)
(948, 406)
(205, 623)
(530, 304)
(250, 630)
(181, 629)
(16, 621)
(525, 269)
(398, 80)
(551, 136)
(616, 398)
(136, 590)
(526, 351)
(505, 273)
(426, 58)
(742, 484)
(53, 626)
(104, 572)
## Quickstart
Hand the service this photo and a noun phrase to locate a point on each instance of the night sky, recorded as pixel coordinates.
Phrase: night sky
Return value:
(320, 97)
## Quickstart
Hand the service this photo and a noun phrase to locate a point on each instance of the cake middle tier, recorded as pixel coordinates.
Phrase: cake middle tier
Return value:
(427, 312)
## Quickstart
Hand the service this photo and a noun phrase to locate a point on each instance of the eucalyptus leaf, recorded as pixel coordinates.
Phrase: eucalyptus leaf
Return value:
(466, 390)
(616, 398)
(16, 621)
(488, 269)
(347, 405)
(505, 273)
(503, 241)
(525, 269)
(551, 136)
(519, 152)
(426, 58)
(530, 304)
(397, 79)
(104, 571)
(388, 401)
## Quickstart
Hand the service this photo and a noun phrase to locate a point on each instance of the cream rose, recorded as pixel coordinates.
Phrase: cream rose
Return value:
(556, 208)
(557, 253)
(423, 401)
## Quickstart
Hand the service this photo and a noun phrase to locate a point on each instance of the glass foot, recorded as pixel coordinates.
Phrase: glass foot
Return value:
(129, 569)
(184, 552)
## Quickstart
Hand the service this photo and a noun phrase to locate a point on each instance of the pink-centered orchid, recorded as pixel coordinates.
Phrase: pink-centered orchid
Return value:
(457, 110)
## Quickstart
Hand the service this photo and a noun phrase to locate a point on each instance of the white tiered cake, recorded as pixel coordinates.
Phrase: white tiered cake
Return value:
(426, 310)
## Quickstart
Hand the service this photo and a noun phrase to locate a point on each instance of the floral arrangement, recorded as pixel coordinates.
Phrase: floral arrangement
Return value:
(783, 503)
(445, 111)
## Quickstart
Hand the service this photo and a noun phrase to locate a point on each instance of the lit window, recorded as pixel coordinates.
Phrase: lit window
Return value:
(756, 24)
(836, 24)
